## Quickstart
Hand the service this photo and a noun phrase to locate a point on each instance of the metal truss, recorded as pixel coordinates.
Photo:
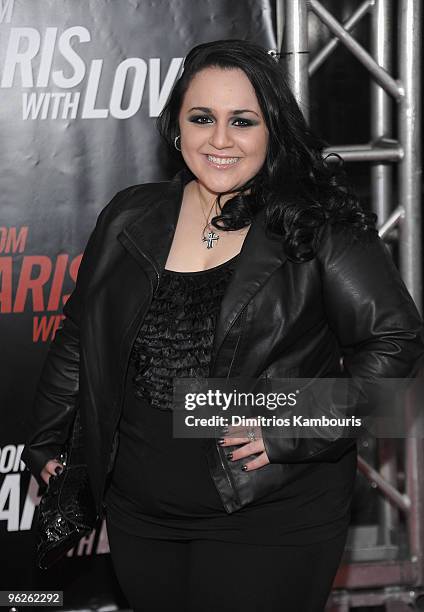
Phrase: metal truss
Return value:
(384, 573)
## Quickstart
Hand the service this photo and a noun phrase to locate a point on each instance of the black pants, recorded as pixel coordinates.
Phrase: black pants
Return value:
(209, 576)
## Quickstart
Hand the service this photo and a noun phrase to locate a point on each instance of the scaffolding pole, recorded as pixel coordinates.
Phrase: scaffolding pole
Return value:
(296, 51)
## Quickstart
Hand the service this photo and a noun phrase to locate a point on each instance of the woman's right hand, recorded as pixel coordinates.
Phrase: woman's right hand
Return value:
(50, 469)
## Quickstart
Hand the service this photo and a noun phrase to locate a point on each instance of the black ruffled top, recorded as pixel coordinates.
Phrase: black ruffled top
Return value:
(176, 336)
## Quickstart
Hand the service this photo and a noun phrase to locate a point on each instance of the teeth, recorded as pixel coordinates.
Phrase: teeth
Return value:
(223, 161)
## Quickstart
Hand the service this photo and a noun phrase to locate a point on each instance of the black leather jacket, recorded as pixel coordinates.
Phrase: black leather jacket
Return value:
(277, 318)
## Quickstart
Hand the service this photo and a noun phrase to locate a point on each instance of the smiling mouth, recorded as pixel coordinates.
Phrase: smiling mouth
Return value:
(222, 161)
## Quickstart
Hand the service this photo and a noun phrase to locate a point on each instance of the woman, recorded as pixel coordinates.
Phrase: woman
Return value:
(251, 262)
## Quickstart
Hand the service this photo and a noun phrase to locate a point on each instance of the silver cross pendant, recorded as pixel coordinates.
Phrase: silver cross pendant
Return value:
(209, 239)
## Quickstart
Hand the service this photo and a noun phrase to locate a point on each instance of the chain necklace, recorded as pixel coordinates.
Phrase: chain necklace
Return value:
(211, 237)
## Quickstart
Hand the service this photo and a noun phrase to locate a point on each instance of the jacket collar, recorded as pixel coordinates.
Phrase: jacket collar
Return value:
(149, 237)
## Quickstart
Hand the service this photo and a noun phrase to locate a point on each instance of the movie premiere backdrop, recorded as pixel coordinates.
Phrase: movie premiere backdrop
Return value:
(81, 83)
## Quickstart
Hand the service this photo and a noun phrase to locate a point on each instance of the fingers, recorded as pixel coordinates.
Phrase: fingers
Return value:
(240, 434)
(45, 475)
(248, 448)
(52, 468)
(258, 444)
(235, 441)
(256, 463)
(253, 464)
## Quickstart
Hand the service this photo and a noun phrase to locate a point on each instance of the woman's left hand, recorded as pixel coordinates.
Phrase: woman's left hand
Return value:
(238, 436)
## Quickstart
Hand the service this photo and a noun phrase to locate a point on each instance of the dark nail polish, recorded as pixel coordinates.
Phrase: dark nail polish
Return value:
(221, 440)
(58, 470)
(230, 456)
(244, 467)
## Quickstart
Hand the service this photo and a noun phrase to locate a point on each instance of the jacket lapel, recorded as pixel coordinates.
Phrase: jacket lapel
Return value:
(148, 239)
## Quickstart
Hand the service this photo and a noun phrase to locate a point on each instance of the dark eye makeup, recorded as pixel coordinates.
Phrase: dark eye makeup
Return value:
(200, 119)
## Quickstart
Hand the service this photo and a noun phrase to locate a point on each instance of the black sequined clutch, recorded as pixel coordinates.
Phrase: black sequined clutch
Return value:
(66, 512)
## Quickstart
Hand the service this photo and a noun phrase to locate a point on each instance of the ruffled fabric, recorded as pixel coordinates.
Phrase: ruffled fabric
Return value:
(176, 336)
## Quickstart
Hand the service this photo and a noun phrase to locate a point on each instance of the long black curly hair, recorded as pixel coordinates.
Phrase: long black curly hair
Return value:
(298, 187)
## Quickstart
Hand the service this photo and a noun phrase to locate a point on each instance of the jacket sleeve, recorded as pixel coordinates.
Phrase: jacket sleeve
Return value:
(55, 400)
(375, 321)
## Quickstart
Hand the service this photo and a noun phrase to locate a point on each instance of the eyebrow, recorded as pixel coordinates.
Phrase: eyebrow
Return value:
(239, 111)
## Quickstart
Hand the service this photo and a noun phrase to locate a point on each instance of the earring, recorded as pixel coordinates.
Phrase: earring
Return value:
(175, 142)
